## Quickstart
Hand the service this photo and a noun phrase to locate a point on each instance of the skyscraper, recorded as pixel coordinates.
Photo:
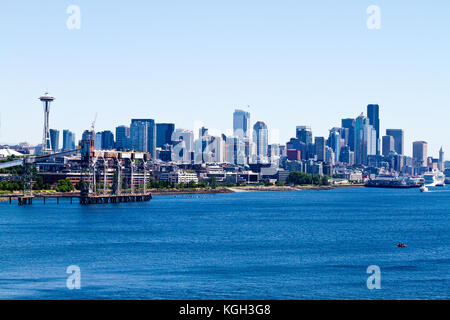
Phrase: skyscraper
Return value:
(164, 133)
(350, 125)
(365, 140)
(143, 136)
(420, 153)
(304, 134)
(241, 124)
(319, 144)
(54, 139)
(398, 139)
(97, 140)
(334, 142)
(107, 140)
(388, 145)
(123, 138)
(68, 140)
(373, 113)
(261, 140)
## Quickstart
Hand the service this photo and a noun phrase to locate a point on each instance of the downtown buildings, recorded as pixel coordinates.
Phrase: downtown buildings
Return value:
(354, 148)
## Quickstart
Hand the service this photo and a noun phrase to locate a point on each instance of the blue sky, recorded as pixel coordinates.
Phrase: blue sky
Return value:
(294, 62)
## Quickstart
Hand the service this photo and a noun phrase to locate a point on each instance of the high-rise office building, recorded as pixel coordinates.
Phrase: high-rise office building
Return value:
(68, 140)
(107, 140)
(334, 142)
(347, 156)
(164, 132)
(54, 139)
(329, 155)
(373, 113)
(398, 140)
(304, 134)
(420, 153)
(241, 124)
(143, 136)
(388, 145)
(123, 138)
(319, 145)
(350, 125)
(365, 140)
(98, 140)
(261, 140)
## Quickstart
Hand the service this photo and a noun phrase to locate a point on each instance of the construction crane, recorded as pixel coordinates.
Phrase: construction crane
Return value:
(93, 123)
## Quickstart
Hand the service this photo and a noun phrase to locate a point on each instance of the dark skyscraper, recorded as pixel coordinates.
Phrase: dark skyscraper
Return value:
(54, 139)
(164, 132)
(373, 113)
(107, 140)
(398, 139)
(304, 134)
(123, 138)
(388, 145)
(319, 143)
(350, 125)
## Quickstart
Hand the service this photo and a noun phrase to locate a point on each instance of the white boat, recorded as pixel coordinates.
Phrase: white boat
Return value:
(424, 189)
(434, 178)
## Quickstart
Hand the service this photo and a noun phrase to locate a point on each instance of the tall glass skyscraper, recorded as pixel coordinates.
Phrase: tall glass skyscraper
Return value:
(164, 132)
(373, 113)
(123, 138)
(365, 140)
(304, 134)
(68, 140)
(334, 142)
(261, 140)
(241, 124)
(54, 140)
(349, 124)
(143, 136)
(107, 140)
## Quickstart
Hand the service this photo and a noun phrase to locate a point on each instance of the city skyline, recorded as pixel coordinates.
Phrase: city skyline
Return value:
(242, 128)
(123, 68)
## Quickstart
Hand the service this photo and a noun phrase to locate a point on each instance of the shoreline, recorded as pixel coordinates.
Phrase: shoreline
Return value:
(250, 189)
(221, 190)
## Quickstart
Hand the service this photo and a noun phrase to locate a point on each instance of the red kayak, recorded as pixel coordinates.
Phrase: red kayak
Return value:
(401, 245)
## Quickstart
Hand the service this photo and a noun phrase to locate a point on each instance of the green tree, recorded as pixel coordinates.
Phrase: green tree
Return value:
(64, 186)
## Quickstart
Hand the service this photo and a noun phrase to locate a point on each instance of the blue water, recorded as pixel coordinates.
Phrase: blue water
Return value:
(263, 245)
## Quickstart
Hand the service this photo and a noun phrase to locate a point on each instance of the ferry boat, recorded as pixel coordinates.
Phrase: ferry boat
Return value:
(434, 178)
(392, 181)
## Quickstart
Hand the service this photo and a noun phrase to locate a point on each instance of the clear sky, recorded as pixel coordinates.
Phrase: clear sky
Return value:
(294, 62)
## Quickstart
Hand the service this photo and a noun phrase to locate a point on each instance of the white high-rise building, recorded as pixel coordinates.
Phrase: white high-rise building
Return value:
(261, 142)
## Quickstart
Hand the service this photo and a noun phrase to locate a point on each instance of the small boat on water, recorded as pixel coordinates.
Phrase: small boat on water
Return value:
(401, 245)
(424, 189)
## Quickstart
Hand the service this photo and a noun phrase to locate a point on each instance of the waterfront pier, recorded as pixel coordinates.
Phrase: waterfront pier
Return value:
(27, 199)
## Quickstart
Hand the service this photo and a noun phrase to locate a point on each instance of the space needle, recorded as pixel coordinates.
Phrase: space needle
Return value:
(46, 143)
